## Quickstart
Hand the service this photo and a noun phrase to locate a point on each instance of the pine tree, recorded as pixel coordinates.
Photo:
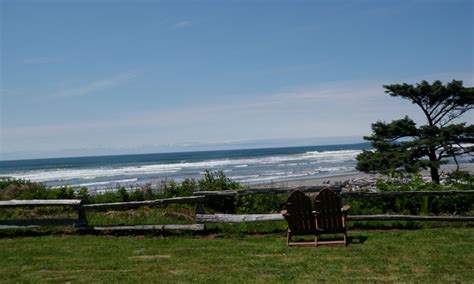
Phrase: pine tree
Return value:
(402, 146)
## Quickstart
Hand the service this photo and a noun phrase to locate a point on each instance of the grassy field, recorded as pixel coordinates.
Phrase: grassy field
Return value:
(424, 255)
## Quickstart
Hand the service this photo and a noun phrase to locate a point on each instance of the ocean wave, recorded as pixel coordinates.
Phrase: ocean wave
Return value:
(293, 160)
(89, 174)
(269, 176)
(94, 184)
(241, 166)
(239, 178)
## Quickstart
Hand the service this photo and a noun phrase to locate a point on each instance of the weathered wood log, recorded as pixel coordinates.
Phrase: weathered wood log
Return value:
(187, 227)
(275, 190)
(19, 223)
(40, 202)
(170, 227)
(354, 195)
(236, 218)
(242, 218)
(137, 204)
(409, 218)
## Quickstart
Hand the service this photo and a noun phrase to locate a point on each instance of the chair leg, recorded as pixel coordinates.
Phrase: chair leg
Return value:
(288, 238)
(316, 238)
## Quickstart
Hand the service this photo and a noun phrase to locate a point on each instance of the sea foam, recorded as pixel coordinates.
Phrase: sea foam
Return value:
(252, 169)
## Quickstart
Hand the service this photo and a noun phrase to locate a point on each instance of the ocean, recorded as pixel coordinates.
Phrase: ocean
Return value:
(248, 166)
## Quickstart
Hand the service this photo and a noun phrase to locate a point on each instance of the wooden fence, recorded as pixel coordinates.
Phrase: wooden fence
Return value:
(149, 203)
(242, 218)
(199, 199)
(31, 223)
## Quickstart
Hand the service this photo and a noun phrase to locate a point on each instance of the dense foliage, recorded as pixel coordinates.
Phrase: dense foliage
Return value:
(261, 203)
(425, 205)
(403, 146)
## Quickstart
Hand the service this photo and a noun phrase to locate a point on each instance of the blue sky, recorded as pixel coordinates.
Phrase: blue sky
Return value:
(102, 77)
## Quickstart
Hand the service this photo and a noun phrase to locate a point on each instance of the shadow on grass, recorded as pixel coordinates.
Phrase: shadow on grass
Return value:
(356, 240)
(236, 230)
(28, 232)
(406, 225)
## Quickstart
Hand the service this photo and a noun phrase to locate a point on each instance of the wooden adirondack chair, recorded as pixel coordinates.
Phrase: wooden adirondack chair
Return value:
(330, 216)
(300, 217)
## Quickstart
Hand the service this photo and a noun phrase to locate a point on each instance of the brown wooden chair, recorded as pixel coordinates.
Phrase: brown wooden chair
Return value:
(330, 216)
(300, 217)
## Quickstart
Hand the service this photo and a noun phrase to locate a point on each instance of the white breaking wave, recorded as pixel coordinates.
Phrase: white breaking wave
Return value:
(241, 166)
(275, 176)
(109, 182)
(313, 157)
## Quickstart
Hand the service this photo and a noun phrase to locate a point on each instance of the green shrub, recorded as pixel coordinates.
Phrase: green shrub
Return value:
(137, 195)
(62, 192)
(259, 203)
(185, 188)
(22, 189)
(461, 180)
(419, 205)
(217, 180)
(84, 195)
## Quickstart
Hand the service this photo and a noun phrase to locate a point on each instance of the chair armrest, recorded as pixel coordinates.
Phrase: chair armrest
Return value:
(345, 208)
(284, 212)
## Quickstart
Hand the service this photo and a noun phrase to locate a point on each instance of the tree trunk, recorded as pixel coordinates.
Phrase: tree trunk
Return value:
(433, 169)
(434, 175)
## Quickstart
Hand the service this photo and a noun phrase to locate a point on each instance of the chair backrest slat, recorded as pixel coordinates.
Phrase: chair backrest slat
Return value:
(300, 214)
(328, 206)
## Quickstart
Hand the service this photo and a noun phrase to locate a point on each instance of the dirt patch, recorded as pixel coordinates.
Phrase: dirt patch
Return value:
(268, 255)
(145, 257)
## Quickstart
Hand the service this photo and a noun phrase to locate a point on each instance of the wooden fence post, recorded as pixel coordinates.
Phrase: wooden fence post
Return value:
(199, 208)
(81, 216)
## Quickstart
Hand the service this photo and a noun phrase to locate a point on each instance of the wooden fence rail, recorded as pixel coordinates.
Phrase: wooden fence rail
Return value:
(244, 218)
(40, 202)
(149, 203)
(199, 199)
(167, 227)
(352, 195)
(273, 190)
(81, 222)
(75, 204)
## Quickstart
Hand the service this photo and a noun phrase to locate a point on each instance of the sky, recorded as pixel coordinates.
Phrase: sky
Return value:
(106, 77)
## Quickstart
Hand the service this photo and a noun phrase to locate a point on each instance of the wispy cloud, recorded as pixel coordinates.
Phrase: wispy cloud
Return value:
(36, 60)
(332, 109)
(9, 93)
(182, 24)
(96, 86)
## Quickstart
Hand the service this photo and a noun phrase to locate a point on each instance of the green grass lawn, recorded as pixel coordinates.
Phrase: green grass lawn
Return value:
(424, 255)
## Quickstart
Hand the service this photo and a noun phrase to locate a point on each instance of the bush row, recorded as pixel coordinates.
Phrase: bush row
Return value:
(258, 203)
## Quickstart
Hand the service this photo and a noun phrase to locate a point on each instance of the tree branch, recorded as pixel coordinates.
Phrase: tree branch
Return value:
(425, 111)
(443, 112)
